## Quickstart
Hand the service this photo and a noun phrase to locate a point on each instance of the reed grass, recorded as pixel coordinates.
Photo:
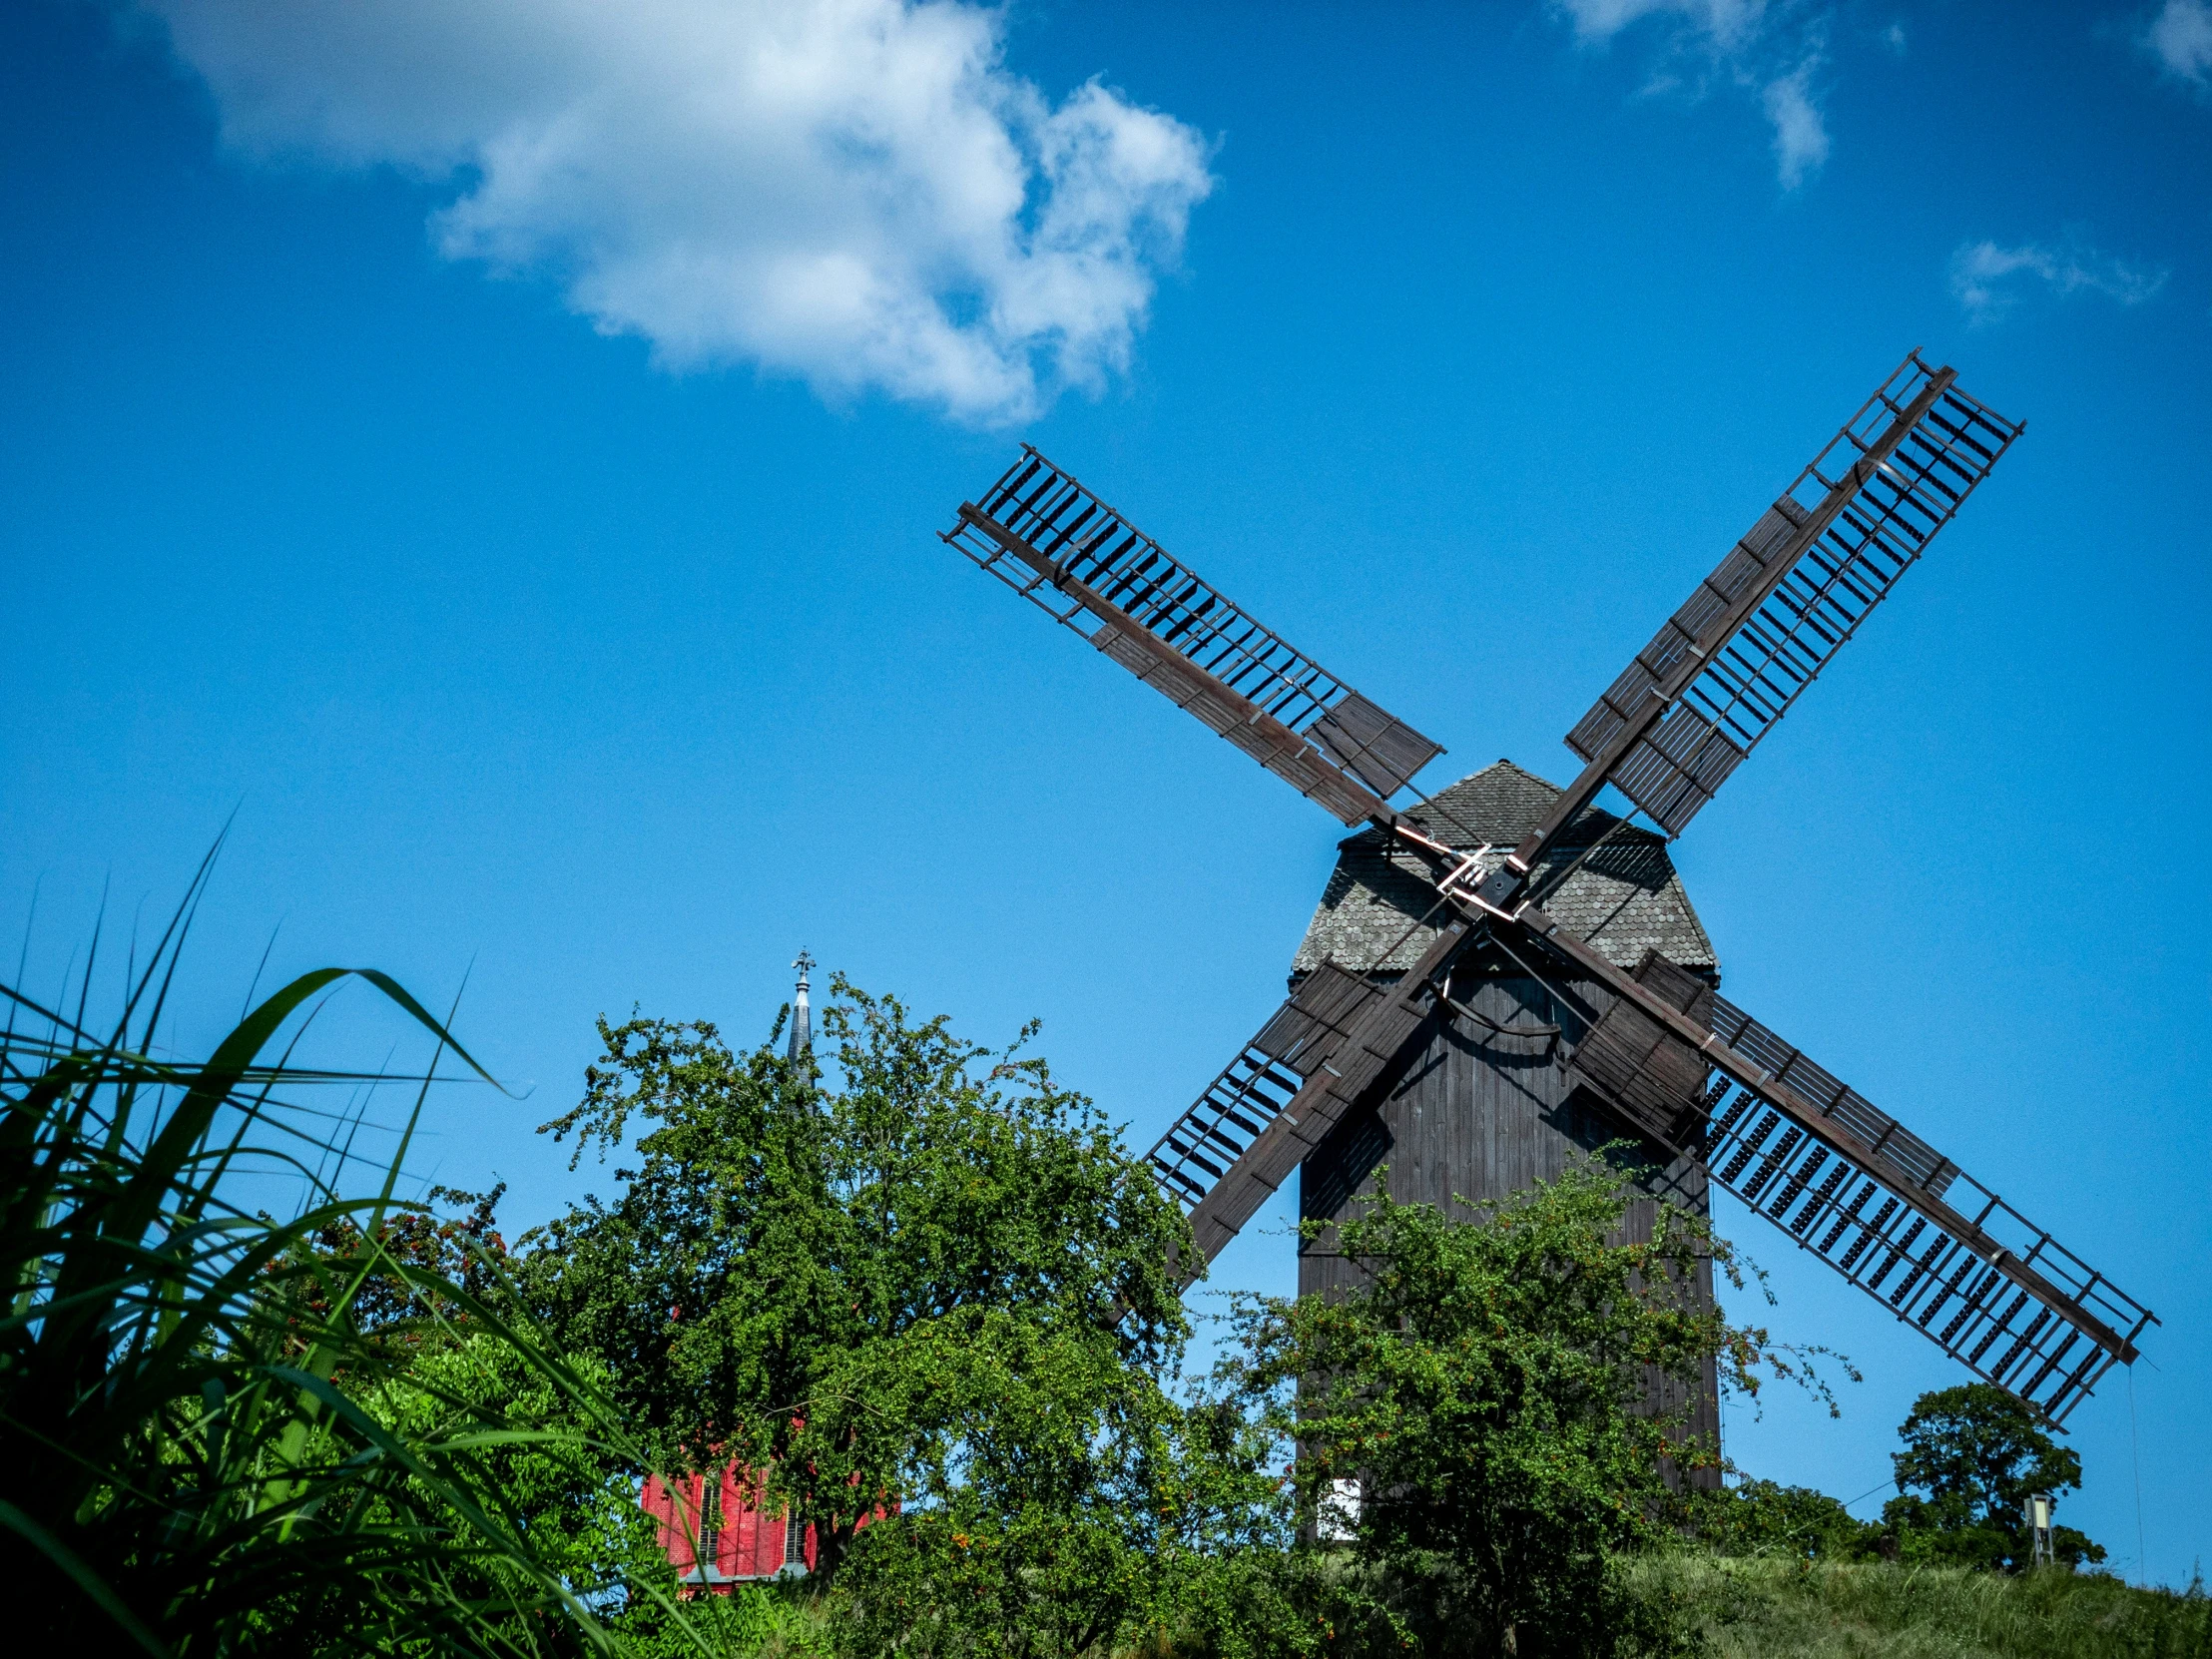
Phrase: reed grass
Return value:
(198, 1447)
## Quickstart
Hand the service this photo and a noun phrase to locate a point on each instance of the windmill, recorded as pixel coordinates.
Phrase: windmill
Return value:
(1667, 1061)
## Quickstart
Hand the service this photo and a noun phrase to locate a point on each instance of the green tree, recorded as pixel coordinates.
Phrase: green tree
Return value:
(1055, 1499)
(1485, 1388)
(929, 1306)
(410, 1252)
(1972, 1455)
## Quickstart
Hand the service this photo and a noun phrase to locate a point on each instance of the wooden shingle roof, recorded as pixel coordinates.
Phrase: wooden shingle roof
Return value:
(1625, 898)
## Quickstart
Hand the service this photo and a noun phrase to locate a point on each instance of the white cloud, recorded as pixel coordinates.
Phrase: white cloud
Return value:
(1800, 135)
(1728, 23)
(2181, 35)
(1893, 38)
(1744, 43)
(1987, 278)
(856, 193)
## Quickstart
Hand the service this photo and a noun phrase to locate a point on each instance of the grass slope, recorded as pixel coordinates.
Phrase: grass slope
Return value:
(1765, 1608)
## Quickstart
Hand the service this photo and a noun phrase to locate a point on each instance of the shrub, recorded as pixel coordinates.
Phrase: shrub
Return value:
(1485, 1388)
(1763, 1517)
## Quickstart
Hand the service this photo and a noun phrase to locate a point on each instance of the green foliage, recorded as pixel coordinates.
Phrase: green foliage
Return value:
(1775, 1608)
(752, 1621)
(199, 1447)
(1479, 1386)
(1058, 1503)
(1972, 1455)
(1038, 1477)
(1270, 1601)
(464, 1249)
(575, 1495)
(933, 1304)
(1761, 1517)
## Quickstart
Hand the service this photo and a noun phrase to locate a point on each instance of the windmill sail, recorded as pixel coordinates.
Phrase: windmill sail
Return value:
(1755, 633)
(1042, 533)
(1863, 1193)
(1286, 1088)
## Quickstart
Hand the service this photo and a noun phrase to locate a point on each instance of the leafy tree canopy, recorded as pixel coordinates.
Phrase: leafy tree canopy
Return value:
(540, 1460)
(401, 1261)
(924, 1293)
(1972, 1455)
(1057, 1499)
(1489, 1387)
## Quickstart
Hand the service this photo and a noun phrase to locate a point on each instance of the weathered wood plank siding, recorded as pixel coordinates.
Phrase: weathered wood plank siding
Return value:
(1478, 1114)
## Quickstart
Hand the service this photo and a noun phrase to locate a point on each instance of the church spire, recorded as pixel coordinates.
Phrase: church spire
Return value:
(803, 1023)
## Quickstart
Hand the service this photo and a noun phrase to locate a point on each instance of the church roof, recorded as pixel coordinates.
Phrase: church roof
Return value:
(1625, 898)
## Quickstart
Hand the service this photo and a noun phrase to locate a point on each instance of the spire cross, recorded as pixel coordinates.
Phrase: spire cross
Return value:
(803, 1020)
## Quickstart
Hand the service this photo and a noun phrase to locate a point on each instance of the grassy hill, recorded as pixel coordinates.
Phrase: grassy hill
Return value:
(1768, 1608)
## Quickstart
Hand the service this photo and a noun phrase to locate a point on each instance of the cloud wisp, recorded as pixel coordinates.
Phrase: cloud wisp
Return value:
(2180, 36)
(1727, 22)
(854, 193)
(1800, 135)
(1744, 43)
(1989, 280)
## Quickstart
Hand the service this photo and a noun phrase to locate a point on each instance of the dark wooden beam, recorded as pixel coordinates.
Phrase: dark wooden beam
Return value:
(1809, 1117)
(1512, 877)
(1251, 728)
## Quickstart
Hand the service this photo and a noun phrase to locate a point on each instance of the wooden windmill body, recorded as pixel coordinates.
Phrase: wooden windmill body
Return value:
(1486, 1103)
(1504, 973)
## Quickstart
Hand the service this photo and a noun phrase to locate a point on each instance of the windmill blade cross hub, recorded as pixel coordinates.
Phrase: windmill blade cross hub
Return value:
(1656, 1050)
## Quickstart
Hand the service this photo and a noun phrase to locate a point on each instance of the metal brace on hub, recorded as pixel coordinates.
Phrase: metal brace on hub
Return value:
(1463, 876)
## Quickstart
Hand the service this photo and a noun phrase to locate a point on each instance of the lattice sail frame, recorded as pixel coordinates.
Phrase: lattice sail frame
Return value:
(1815, 565)
(1855, 1187)
(1294, 1082)
(1867, 1219)
(1039, 530)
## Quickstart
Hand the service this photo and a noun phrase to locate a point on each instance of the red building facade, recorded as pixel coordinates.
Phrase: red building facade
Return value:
(715, 1536)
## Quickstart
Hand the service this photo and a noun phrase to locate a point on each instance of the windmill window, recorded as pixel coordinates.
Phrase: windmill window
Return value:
(710, 1523)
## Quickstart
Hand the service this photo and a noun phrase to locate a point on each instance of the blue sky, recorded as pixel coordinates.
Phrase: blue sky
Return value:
(502, 459)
